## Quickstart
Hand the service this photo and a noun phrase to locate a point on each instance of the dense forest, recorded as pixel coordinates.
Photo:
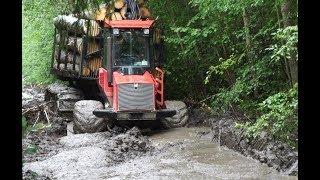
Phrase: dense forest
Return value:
(238, 57)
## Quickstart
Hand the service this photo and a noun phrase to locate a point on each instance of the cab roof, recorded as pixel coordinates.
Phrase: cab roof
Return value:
(128, 23)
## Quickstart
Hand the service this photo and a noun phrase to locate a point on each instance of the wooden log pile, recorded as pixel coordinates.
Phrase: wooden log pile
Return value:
(114, 10)
(117, 10)
(69, 46)
(76, 25)
(70, 43)
(87, 22)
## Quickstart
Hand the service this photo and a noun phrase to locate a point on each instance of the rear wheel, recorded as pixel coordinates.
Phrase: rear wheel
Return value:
(178, 120)
(84, 119)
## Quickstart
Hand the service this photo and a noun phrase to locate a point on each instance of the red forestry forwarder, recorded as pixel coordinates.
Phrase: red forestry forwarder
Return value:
(130, 76)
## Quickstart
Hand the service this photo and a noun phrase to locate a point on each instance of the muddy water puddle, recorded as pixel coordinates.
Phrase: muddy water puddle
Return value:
(183, 153)
(190, 153)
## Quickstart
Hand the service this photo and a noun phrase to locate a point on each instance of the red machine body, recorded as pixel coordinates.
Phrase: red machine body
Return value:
(150, 83)
(111, 91)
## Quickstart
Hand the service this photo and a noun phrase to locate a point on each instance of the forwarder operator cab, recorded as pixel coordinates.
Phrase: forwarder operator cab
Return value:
(131, 51)
(131, 47)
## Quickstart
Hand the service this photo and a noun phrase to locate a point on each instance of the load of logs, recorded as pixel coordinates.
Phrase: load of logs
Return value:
(69, 46)
(118, 10)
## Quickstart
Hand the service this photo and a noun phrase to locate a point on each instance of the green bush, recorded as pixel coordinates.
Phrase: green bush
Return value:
(280, 117)
(287, 46)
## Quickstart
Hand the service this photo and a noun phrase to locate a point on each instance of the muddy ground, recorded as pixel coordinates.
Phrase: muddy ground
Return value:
(263, 148)
(191, 152)
(183, 153)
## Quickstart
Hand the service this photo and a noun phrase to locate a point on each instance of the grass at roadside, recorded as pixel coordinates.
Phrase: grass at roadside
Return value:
(37, 39)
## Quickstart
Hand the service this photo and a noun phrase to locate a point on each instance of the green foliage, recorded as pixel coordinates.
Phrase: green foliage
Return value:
(280, 116)
(221, 68)
(210, 52)
(37, 38)
(287, 44)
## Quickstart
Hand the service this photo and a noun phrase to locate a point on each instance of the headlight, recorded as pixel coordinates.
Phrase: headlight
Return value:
(146, 31)
(116, 31)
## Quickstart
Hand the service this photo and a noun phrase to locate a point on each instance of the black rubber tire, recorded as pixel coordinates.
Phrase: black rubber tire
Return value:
(84, 119)
(178, 120)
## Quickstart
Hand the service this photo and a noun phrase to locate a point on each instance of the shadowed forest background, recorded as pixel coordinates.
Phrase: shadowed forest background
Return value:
(237, 57)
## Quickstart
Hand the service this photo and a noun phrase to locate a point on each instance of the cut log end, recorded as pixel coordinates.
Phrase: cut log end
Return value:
(118, 4)
(100, 14)
(116, 16)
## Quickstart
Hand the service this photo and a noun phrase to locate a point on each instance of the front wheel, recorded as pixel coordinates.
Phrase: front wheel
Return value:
(84, 119)
(181, 117)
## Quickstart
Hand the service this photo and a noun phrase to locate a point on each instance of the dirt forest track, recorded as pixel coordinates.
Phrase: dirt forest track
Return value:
(131, 153)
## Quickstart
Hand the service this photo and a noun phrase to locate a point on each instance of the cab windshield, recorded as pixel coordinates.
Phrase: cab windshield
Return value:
(130, 48)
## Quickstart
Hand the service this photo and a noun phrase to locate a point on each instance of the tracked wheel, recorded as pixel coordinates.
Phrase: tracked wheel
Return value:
(84, 119)
(178, 120)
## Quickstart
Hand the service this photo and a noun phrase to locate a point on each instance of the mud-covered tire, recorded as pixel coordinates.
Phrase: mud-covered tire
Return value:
(181, 117)
(84, 119)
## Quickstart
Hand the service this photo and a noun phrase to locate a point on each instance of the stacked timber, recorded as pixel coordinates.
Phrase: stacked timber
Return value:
(77, 26)
(72, 28)
(117, 10)
(120, 10)
(70, 42)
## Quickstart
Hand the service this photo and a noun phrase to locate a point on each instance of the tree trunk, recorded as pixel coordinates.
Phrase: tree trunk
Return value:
(291, 63)
(248, 44)
(246, 29)
(287, 70)
(285, 11)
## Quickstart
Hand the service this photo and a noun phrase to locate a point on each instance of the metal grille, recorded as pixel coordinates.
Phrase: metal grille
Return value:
(136, 97)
